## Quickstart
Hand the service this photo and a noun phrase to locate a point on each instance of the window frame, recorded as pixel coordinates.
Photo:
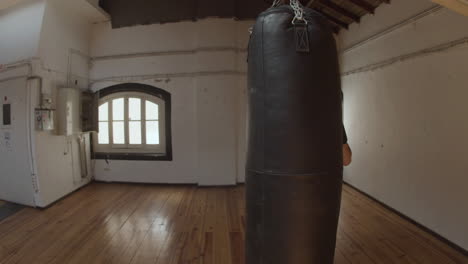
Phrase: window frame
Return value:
(126, 151)
(143, 147)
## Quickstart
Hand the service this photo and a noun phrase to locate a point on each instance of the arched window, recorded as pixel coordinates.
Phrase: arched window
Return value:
(134, 123)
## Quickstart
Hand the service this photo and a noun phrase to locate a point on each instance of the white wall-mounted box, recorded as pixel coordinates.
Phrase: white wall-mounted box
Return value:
(44, 119)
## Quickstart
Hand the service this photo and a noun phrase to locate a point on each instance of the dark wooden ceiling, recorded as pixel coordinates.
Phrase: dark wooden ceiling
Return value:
(340, 13)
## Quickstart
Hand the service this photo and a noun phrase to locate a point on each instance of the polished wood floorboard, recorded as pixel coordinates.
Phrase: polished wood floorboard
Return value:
(118, 223)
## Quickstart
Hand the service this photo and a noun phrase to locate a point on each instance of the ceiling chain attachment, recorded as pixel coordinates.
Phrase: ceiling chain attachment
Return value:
(276, 3)
(298, 12)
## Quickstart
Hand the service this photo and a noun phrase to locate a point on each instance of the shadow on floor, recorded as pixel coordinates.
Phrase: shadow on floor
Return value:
(9, 209)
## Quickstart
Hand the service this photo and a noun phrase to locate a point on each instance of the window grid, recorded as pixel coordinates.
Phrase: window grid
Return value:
(104, 123)
(135, 121)
(152, 120)
(143, 123)
(126, 122)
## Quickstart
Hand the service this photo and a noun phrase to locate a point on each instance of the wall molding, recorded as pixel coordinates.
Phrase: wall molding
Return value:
(168, 53)
(125, 78)
(424, 52)
(408, 21)
(36, 67)
(14, 78)
(16, 64)
(167, 76)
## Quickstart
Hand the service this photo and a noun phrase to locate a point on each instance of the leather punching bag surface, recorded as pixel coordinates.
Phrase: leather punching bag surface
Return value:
(294, 168)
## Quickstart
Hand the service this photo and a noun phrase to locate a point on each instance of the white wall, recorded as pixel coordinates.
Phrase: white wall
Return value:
(20, 28)
(63, 49)
(199, 64)
(64, 44)
(405, 111)
(16, 183)
(57, 34)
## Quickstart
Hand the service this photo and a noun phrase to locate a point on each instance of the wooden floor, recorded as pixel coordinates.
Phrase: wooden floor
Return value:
(117, 223)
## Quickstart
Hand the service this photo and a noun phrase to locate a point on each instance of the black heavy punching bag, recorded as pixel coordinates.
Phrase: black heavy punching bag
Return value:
(294, 168)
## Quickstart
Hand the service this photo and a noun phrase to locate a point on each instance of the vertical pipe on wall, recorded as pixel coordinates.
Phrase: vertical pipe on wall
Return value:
(30, 126)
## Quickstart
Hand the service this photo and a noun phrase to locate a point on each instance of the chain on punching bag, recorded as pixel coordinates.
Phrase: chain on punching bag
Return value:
(294, 168)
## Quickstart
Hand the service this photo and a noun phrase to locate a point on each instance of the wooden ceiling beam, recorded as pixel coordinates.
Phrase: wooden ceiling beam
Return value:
(334, 20)
(364, 5)
(340, 10)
